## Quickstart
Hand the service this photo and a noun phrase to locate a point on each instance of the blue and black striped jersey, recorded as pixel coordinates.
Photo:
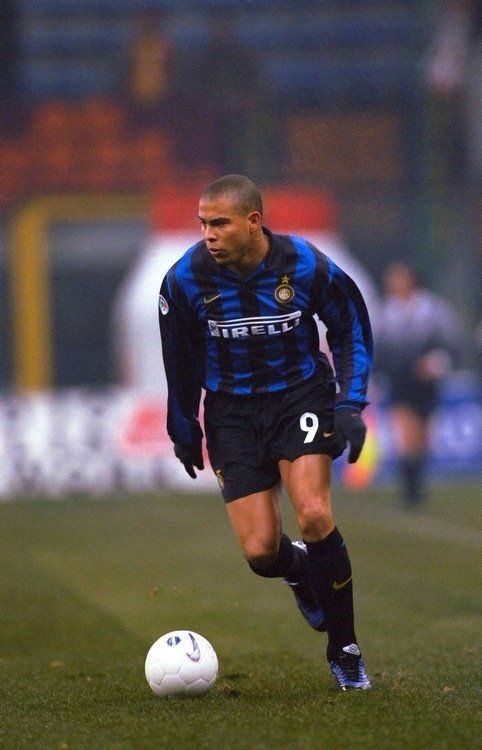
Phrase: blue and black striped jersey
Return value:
(255, 334)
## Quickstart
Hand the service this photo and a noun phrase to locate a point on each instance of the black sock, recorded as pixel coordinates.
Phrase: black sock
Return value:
(412, 473)
(288, 563)
(330, 571)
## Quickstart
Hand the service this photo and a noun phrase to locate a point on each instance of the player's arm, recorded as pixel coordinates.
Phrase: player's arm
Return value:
(183, 373)
(342, 309)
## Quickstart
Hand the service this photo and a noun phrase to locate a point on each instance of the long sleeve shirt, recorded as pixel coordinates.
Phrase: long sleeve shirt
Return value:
(257, 333)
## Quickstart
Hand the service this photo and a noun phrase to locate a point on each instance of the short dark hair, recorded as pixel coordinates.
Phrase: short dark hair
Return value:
(245, 194)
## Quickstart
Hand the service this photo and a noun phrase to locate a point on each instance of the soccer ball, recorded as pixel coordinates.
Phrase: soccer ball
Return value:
(181, 662)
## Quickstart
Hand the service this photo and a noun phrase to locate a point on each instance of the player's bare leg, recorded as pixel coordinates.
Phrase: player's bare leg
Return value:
(308, 482)
(411, 439)
(256, 520)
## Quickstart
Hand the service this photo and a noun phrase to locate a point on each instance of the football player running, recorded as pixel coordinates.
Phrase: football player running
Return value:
(236, 318)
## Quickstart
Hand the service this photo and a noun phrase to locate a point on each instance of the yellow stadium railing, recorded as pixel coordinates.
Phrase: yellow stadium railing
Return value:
(30, 278)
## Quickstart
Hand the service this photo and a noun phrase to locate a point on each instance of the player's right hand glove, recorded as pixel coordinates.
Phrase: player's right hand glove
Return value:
(350, 428)
(190, 456)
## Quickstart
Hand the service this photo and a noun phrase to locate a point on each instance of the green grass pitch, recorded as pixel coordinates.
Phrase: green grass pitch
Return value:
(87, 585)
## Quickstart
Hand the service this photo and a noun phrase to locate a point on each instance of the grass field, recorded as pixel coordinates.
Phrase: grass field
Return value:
(87, 585)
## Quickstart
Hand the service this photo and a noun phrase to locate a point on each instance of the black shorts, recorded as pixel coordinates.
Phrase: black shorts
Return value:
(247, 435)
(418, 395)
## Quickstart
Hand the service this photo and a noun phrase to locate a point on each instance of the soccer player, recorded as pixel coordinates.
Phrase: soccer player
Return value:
(419, 339)
(236, 318)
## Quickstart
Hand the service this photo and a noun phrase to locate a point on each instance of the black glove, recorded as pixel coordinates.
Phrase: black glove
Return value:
(350, 428)
(190, 456)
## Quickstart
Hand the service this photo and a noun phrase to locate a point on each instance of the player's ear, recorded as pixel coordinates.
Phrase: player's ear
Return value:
(255, 220)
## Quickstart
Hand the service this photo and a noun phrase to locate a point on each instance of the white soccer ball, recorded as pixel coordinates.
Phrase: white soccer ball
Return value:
(181, 662)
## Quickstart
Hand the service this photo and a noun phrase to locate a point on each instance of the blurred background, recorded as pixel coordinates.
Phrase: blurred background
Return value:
(360, 120)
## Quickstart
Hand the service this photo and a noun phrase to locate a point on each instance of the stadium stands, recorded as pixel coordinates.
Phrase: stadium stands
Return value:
(328, 145)
(313, 60)
(84, 146)
(74, 50)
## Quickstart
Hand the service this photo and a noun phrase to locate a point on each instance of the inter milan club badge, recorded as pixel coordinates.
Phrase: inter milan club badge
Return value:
(284, 293)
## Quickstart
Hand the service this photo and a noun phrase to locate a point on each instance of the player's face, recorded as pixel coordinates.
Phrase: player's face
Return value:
(399, 281)
(227, 232)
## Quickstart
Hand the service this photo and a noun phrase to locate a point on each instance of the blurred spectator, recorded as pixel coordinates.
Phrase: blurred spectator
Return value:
(455, 69)
(446, 68)
(151, 73)
(418, 339)
(228, 108)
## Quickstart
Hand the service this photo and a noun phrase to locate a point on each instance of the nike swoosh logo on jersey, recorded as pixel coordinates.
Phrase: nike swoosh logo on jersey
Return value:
(337, 586)
(196, 653)
(208, 300)
(328, 434)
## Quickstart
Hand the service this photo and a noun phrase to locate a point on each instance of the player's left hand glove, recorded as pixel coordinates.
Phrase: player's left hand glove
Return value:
(350, 428)
(190, 456)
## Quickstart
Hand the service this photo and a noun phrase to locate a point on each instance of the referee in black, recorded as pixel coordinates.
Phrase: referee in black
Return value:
(236, 318)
